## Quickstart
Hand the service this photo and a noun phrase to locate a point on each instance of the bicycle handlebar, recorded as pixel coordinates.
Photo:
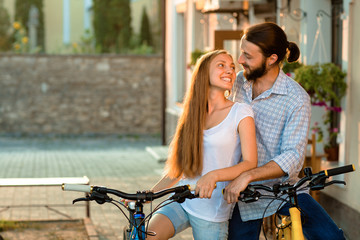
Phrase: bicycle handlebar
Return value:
(340, 170)
(76, 188)
(139, 196)
(316, 182)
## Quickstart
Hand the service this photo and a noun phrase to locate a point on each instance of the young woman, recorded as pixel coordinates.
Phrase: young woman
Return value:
(206, 150)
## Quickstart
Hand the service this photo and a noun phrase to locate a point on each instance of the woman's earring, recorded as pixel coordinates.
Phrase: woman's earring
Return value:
(227, 93)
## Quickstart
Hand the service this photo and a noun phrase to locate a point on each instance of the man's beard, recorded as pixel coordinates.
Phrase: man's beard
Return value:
(256, 73)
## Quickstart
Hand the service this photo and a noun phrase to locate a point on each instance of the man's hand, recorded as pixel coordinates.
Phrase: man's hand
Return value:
(232, 191)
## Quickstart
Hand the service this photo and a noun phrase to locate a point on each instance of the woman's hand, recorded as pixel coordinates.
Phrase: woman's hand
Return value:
(126, 201)
(206, 185)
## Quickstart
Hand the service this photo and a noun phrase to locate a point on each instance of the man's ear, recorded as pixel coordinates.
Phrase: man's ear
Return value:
(272, 59)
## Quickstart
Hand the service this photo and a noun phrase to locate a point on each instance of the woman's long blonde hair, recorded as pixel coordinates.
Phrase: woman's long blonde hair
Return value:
(186, 154)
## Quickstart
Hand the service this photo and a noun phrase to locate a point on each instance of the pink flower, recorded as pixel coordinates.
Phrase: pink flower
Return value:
(337, 109)
(320, 104)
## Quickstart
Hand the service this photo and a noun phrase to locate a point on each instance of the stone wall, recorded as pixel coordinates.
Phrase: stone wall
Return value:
(77, 95)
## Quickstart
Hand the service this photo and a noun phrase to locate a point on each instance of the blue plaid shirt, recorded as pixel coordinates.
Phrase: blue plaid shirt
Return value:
(282, 119)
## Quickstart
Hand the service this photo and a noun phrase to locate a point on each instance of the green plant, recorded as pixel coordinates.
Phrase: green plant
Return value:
(112, 25)
(290, 67)
(85, 45)
(325, 82)
(195, 55)
(145, 29)
(21, 41)
(4, 27)
(9, 225)
(143, 49)
(326, 85)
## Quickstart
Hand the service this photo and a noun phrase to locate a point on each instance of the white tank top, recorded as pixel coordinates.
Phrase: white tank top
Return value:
(221, 149)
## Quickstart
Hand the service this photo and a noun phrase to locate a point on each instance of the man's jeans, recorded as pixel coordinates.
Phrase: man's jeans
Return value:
(317, 224)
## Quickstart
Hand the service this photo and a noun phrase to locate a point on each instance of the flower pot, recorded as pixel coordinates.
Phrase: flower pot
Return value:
(332, 153)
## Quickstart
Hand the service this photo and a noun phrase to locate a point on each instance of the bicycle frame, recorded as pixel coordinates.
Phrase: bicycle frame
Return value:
(296, 225)
(291, 227)
(296, 232)
(136, 227)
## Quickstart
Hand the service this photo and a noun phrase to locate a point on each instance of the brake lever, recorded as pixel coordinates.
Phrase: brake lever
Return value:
(98, 197)
(324, 184)
(180, 197)
(318, 183)
(86, 199)
(248, 195)
(335, 182)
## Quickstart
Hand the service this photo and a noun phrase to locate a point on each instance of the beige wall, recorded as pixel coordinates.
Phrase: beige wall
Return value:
(77, 20)
(10, 6)
(53, 11)
(53, 19)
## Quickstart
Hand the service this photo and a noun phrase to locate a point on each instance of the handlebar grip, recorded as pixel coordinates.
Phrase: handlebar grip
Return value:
(340, 170)
(76, 187)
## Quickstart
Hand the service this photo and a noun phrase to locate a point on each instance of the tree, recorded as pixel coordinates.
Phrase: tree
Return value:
(22, 9)
(145, 29)
(112, 25)
(4, 27)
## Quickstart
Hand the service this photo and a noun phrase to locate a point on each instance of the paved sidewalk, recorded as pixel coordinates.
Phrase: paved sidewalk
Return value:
(120, 163)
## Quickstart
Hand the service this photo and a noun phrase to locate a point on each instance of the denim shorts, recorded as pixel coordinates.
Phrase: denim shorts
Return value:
(202, 229)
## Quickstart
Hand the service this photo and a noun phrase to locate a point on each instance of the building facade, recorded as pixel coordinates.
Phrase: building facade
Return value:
(197, 24)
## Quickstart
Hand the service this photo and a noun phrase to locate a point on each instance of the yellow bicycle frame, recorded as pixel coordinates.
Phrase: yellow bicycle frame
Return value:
(293, 232)
(296, 226)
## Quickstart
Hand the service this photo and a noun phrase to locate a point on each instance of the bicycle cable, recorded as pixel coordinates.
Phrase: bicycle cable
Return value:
(160, 205)
(121, 204)
(147, 225)
(146, 220)
(273, 198)
(131, 224)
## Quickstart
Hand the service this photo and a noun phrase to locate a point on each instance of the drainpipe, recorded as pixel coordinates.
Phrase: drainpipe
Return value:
(163, 87)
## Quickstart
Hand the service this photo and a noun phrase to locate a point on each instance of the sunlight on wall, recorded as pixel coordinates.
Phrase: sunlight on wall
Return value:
(358, 144)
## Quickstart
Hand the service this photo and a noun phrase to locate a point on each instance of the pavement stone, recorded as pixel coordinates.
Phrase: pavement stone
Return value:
(120, 163)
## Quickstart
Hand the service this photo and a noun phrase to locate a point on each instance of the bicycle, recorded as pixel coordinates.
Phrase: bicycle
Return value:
(291, 227)
(137, 227)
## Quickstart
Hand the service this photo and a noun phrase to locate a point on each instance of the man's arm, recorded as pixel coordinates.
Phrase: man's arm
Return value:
(270, 170)
(294, 141)
(286, 164)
